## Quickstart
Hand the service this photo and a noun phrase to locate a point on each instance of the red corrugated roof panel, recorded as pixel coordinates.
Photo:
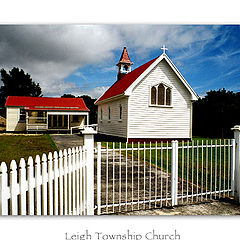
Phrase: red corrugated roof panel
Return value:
(47, 103)
(120, 86)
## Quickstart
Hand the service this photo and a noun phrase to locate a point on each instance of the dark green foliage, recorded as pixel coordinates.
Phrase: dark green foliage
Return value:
(92, 107)
(17, 83)
(215, 114)
(67, 96)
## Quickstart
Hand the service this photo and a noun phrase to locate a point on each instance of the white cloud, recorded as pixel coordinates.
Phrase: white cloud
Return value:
(97, 92)
(109, 69)
(94, 92)
(77, 74)
(50, 53)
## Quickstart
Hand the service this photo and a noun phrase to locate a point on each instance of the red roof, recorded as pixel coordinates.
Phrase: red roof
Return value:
(120, 86)
(45, 103)
(124, 57)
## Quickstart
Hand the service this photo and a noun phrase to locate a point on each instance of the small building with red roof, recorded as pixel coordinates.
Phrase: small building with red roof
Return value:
(44, 113)
(151, 102)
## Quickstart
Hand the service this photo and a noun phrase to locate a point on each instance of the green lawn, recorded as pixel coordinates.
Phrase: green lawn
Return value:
(23, 146)
(212, 163)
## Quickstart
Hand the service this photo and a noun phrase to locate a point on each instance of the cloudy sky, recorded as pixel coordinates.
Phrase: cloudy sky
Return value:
(81, 59)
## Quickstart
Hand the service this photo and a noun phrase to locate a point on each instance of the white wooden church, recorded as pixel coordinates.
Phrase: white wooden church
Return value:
(152, 102)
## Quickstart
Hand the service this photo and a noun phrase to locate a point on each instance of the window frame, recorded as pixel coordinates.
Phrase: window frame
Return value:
(155, 92)
(109, 114)
(166, 86)
(101, 114)
(161, 89)
(170, 96)
(120, 113)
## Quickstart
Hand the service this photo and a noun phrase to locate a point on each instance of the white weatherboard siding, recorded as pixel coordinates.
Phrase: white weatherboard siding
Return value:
(13, 123)
(115, 126)
(160, 122)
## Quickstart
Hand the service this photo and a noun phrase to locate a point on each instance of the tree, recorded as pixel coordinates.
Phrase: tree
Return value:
(17, 83)
(67, 96)
(92, 107)
(215, 114)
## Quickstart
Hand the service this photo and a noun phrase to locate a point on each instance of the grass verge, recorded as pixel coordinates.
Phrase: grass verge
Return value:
(23, 146)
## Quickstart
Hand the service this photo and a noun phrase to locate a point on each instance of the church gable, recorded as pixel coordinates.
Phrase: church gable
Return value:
(160, 105)
(170, 67)
(161, 87)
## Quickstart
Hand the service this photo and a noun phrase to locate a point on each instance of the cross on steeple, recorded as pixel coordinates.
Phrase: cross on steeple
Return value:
(164, 48)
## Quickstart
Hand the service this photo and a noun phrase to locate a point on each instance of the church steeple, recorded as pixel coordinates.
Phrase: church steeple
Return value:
(124, 64)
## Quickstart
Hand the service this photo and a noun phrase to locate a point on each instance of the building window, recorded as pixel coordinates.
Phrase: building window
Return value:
(161, 95)
(41, 117)
(153, 96)
(168, 96)
(22, 115)
(120, 112)
(101, 114)
(109, 113)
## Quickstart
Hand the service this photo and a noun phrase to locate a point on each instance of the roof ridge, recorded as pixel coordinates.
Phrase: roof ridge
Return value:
(47, 97)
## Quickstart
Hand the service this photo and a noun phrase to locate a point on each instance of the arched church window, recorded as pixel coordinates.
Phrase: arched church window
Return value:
(161, 94)
(168, 96)
(153, 95)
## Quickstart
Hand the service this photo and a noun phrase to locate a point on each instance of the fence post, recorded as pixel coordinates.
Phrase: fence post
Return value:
(99, 159)
(233, 167)
(22, 184)
(88, 134)
(13, 188)
(236, 173)
(30, 187)
(3, 189)
(174, 176)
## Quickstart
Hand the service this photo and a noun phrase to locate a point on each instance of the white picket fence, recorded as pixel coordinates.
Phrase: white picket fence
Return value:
(51, 185)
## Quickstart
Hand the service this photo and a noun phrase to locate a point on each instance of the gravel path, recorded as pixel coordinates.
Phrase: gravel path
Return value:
(215, 207)
(65, 141)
